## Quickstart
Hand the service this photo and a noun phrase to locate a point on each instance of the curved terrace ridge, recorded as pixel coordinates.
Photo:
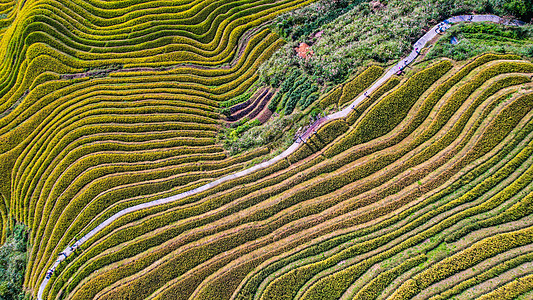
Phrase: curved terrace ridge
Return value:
(422, 42)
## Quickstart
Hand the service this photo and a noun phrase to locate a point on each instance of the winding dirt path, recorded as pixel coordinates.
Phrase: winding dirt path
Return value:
(421, 43)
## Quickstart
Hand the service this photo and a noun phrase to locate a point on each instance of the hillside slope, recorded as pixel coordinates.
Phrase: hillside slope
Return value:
(422, 192)
(411, 196)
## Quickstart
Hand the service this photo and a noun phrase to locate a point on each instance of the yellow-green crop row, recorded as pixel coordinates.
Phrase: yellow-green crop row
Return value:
(325, 135)
(491, 273)
(511, 290)
(346, 92)
(359, 109)
(356, 86)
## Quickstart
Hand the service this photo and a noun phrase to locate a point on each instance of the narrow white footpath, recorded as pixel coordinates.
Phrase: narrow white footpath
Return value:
(421, 43)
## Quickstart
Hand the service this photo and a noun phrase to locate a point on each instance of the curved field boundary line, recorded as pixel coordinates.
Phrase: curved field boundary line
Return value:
(421, 43)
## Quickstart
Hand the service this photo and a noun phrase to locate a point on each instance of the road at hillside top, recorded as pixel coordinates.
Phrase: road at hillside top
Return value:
(421, 43)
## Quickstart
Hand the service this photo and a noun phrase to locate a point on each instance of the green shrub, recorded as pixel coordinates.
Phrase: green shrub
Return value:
(13, 262)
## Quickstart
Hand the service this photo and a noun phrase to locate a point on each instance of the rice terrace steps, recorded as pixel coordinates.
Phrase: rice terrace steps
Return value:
(311, 290)
(418, 187)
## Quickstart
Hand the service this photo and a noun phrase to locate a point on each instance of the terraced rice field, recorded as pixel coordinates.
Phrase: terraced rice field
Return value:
(109, 104)
(422, 192)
